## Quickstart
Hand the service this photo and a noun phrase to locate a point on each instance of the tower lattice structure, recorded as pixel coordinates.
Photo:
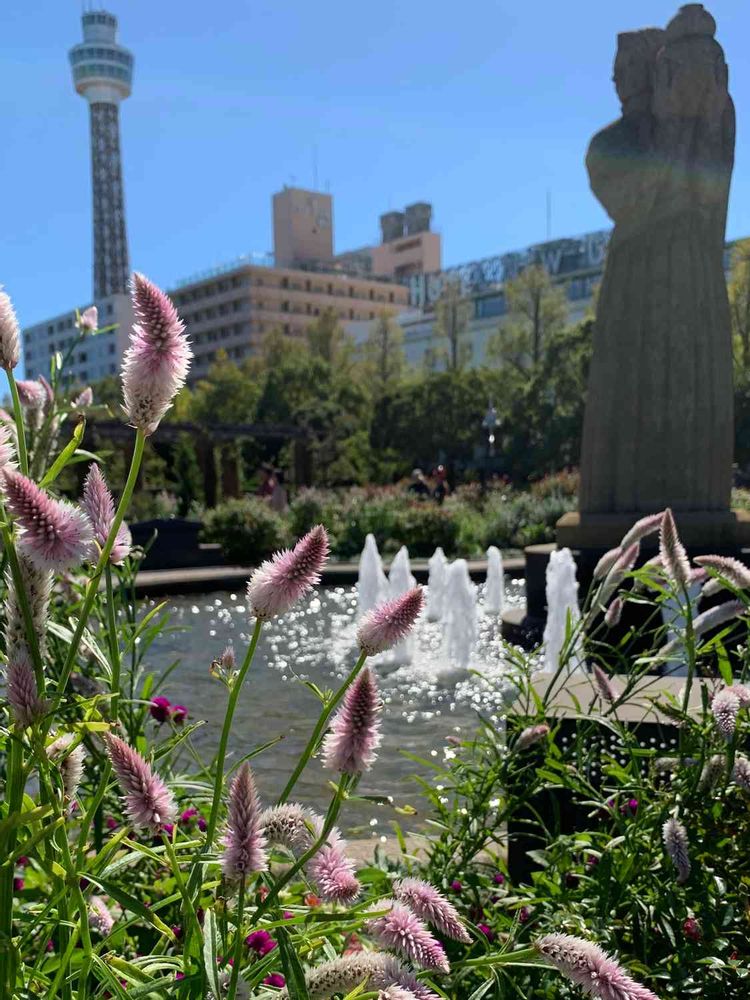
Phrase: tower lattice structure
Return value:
(103, 74)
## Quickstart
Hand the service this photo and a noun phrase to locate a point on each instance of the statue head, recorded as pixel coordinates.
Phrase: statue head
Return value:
(691, 77)
(634, 67)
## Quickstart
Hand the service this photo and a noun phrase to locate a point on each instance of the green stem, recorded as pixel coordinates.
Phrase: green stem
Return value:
(114, 646)
(14, 792)
(23, 458)
(189, 908)
(320, 726)
(237, 943)
(226, 728)
(91, 590)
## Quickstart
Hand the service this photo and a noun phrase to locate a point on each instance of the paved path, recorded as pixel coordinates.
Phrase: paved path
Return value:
(199, 579)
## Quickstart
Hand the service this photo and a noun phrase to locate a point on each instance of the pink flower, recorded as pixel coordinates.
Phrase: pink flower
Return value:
(672, 552)
(36, 584)
(607, 690)
(88, 321)
(350, 745)
(431, 906)
(160, 708)
(743, 694)
(588, 966)
(736, 572)
(179, 714)
(705, 622)
(56, 536)
(84, 399)
(100, 918)
(486, 930)
(148, 801)
(624, 564)
(692, 931)
(21, 691)
(98, 503)
(531, 735)
(18, 884)
(10, 343)
(387, 624)
(278, 583)
(675, 839)
(261, 943)
(31, 393)
(648, 525)
(525, 914)
(69, 762)
(7, 448)
(396, 993)
(606, 563)
(498, 878)
(243, 841)
(613, 614)
(725, 707)
(333, 872)
(373, 970)
(401, 931)
(275, 979)
(156, 364)
(741, 772)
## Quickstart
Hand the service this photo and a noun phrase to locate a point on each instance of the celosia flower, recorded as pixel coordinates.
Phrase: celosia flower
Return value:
(525, 914)
(705, 622)
(371, 970)
(531, 735)
(278, 583)
(7, 448)
(692, 929)
(275, 979)
(21, 691)
(625, 563)
(613, 614)
(295, 828)
(736, 572)
(457, 886)
(55, 536)
(396, 993)
(84, 399)
(260, 942)
(588, 966)
(725, 706)
(244, 842)
(98, 503)
(487, 931)
(156, 363)
(100, 918)
(648, 525)
(10, 343)
(741, 772)
(88, 321)
(403, 932)
(743, 694)
(606, 563)
(607, 690)
(432, 907)
(672, 551)
(388, 623)
(712, 771)
(498, 878)
(159, 708)
(148, 801)
(69, 762)
(31, 393)
(350, 745)
(675, 839)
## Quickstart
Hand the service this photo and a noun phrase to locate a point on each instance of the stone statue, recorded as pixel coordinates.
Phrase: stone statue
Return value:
(658, 428)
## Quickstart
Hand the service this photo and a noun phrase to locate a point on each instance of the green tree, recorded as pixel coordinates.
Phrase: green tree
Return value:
(536, 311)
(228, 395)
(739, 304)
(186, 475)
(452, 315)
(327, 339)
(383, 353)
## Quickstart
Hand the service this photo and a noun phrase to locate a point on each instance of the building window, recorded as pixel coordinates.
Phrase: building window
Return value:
(112, 348)
(390, 296)
(330, 289)
(112, 369)
(307, 285)
(110, 309)
(351, 314)
(351, 292)
(285, 282)
(372, 315)
(285, 307)
(50, 329)
(372, 294)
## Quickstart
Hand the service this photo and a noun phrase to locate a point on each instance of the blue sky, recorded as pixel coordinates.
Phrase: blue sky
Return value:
(480, 109)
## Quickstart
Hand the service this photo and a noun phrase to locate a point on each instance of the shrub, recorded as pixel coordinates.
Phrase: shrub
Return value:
(248, 530)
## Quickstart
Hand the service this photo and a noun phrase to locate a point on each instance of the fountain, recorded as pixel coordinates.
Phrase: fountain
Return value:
(494, 591)
(562, 601)
(400, 580)
(372, 585)
(460, 615)
(438, 573)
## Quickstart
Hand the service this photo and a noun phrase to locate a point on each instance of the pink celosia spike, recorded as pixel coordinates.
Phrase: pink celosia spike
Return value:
(403, 932)
(741, 772)
(84, 399)
(148, 801)
(613, 614)
(10, 342)
(333, 872)
(56, 536)
(531, 735)
(99, 505)
(100, 917)
(70, 762)
(156, 364)
(277, 584)
(244, 842)
(372, 970)
(624, 564)
(387, 624)
(606, 688)
(89, 320)
(21, 691)
(725, 707)
(588, 966)
(432, 907)
(606, 562)
(648, 525)
(675, 839)
(7, 448)
(350, 745)
(736, 572)
(31, 393)
(743, 694)
(396, 993)
(672, 551)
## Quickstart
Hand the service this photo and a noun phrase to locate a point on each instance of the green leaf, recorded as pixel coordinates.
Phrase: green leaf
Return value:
(211, 948)
(293, 972)
(133, 904)
(65, 455)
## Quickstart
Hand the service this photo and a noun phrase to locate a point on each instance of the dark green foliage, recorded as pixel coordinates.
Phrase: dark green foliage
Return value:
(247, 530)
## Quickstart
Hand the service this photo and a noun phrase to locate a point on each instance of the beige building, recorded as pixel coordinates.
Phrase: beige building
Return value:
(302, 226)
(407, 247)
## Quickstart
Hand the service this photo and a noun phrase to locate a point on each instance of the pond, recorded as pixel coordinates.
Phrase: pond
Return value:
(424, 702)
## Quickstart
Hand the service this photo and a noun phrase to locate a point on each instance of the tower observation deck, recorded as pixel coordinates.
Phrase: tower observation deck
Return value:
(103, 74)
